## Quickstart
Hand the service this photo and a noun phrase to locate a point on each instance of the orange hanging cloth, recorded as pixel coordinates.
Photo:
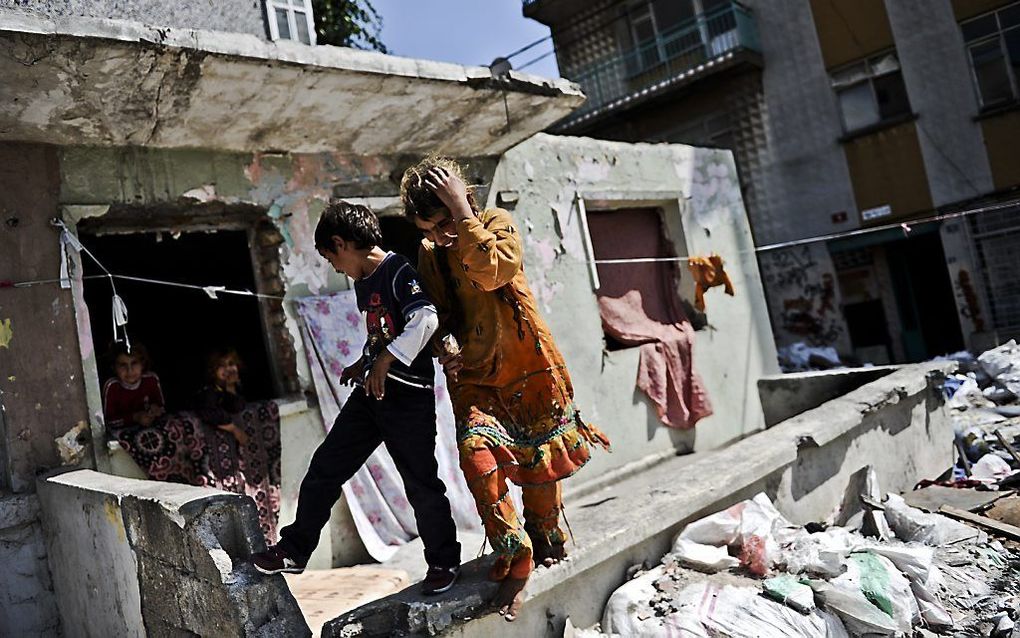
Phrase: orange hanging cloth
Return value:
(708, 272)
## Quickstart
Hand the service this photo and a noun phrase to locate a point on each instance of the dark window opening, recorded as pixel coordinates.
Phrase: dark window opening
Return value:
(638, 233)
(871, 92)
(178, 326)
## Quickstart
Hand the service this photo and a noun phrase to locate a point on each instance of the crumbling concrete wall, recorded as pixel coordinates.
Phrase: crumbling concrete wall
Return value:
(138, 558)
(239, 16)
(42, 394)
(697, 189)
(27, 604)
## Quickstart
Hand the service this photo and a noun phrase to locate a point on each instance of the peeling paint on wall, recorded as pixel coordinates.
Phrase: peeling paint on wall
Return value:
(295, 189)
(6, 333)
(698, 190)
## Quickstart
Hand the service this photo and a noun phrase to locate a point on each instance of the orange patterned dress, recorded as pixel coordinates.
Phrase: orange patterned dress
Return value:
(513, 400)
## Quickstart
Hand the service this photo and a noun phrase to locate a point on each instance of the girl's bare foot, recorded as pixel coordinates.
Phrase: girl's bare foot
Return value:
(510, 597)
(548, 555)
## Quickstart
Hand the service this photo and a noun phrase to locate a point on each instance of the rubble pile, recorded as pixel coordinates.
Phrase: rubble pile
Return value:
(984, 397)
(749, 572)
(943, 559)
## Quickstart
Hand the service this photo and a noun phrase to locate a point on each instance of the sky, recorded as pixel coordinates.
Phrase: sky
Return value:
(471, 32)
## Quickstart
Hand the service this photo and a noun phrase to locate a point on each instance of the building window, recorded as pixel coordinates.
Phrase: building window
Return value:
(871, 92)
(291, 20)
(993, 46)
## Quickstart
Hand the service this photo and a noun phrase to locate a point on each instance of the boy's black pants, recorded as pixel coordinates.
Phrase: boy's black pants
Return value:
(405, 419)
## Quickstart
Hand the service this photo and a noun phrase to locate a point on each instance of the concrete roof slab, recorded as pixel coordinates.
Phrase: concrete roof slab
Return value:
(107, 82)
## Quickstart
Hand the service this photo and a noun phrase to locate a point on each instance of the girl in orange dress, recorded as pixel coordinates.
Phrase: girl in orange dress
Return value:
(511, 393)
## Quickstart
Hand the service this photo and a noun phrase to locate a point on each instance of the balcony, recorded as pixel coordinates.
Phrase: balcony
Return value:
(708, 43)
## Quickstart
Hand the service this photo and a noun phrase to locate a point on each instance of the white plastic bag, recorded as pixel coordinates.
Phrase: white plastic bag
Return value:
(721, 528)
(704, 558)
(911, 524)
(821, 553)
(759, 549)
(748, 525)
(990, 468)
(859, 616)
(709, 609)
(629, 611)
(883, 585)
(1003, 365)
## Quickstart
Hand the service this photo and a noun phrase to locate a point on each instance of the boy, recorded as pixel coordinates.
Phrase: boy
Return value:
(397, 404)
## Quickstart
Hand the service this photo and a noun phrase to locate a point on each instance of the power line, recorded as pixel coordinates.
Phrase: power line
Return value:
(577, 37)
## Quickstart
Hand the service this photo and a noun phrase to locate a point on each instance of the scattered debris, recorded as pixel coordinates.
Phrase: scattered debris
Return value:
(832, 581)
(932, 497)
(71, 444)
(800, 357)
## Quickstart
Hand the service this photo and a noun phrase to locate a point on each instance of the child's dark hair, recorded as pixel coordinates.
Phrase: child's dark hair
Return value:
(216, 359)
(418, 199)
(351, 222)
(118, 348)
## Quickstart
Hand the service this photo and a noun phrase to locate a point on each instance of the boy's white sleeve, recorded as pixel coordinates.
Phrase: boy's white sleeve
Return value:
(421, 325)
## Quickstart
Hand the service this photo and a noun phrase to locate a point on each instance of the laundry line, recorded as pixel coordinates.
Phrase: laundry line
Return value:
(212, 291)
(905, 226)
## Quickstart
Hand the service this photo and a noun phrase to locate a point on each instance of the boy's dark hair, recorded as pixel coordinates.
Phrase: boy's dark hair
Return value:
(137, 351)
(351, 222)
(216, 358)
(417, 198)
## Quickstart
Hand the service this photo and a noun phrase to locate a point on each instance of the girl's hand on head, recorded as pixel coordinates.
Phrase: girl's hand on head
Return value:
(450, 189)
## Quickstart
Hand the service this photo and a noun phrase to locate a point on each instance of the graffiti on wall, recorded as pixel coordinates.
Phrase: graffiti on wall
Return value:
(803, 297)
(967, 300)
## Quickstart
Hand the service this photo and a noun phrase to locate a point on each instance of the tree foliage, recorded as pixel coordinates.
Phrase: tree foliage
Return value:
(348, 23)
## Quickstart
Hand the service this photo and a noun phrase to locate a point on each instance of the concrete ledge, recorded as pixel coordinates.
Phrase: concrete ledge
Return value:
(786, 395)
(115, 82)
(897, 423)
(136, 558)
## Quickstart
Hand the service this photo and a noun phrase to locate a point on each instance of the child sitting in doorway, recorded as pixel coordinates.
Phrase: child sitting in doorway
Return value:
(133, 396)
(397, 403)
(221, 398)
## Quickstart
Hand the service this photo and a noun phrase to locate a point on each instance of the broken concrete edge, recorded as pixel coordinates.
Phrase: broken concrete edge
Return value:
(784, 396)
(888, 390)
(181, 502)
(243, 45)
(407, 612)
(176, 557)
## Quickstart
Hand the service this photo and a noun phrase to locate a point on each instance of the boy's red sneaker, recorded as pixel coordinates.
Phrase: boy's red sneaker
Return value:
(439, 579)
(276, 561)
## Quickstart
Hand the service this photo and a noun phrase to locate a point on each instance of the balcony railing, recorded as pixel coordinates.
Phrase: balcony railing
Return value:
(693, 48)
